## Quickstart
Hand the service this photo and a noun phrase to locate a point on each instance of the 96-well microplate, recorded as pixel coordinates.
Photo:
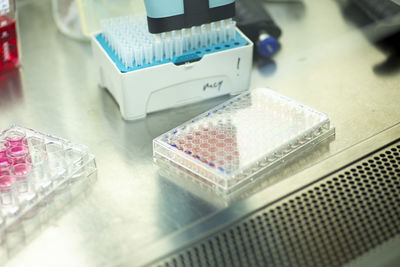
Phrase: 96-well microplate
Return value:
(230, 144)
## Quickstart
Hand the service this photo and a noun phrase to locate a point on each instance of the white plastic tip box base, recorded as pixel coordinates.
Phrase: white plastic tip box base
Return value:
(168, 85)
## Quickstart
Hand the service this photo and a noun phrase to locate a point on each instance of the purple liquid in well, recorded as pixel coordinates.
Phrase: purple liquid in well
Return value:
(5, 163)
(17, 154)
(3, 148)
(15, 140)
(22, 169)
(13, 154)
(6, 181)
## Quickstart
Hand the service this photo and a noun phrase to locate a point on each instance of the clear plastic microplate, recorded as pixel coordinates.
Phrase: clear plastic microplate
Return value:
(229, 145)
(34, 167)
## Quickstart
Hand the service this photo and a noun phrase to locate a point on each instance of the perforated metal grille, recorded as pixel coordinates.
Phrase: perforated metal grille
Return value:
(328, 223)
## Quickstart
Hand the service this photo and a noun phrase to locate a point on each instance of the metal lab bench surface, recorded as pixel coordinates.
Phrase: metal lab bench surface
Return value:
(325, 62)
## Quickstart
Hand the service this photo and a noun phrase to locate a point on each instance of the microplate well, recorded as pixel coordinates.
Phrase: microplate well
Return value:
(231, 144)
(34, 169)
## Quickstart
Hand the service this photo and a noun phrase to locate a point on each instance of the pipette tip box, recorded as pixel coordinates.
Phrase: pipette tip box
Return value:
(34, 169)
(196, 73)
(236, 142)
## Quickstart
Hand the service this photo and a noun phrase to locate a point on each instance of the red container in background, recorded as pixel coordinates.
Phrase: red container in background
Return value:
(9, 56)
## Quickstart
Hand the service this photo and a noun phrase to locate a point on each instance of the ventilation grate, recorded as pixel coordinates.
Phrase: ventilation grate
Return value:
(328, 223)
